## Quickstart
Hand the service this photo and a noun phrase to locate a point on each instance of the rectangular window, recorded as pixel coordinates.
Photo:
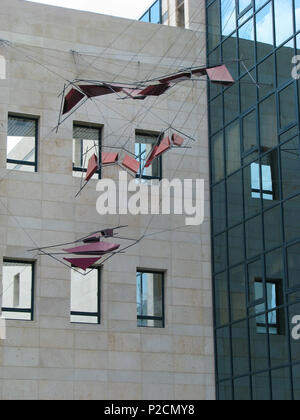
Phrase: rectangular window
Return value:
(85, 296)
(86, 142)
(264, 177)
(18, 289)
(150, 299)
(266, 190)
(22, 134)
(143, 146)
(273, 319)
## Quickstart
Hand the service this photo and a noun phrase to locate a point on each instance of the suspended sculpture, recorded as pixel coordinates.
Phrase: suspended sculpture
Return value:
(129, 162)
(141, 90)
(88, 253)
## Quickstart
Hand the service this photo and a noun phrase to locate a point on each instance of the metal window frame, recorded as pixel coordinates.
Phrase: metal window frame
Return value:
(99, 129)
(91, 314)
(154, 318)
(149, 11)
(22, 162)
(282, 134)
(23, 310)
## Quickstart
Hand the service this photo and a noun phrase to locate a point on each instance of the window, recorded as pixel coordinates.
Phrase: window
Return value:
(86, 142)
(244, 4)
(272, 319)
(150, 299)
(153, 14)
(85, 296)
(18, 287)
(264, 31)
(264, 178)
(180, 15)
(22, 134)
(143, 145)
(266, 192)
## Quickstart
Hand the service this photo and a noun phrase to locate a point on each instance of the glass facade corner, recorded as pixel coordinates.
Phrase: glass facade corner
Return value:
(255, 194)
(153, 14)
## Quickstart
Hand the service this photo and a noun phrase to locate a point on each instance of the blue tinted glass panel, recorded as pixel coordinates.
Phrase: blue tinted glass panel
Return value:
(146, 17)
(155, 13)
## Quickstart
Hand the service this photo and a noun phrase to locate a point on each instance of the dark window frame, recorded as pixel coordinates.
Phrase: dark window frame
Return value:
(148, 11)
(280, 324)
(94, 127)
(91, 314)
(22, 162)
(154, 318)
(23, 310)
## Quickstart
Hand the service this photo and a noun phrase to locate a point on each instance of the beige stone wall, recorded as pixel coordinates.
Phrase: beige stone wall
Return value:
(194, 12)
(50, 358)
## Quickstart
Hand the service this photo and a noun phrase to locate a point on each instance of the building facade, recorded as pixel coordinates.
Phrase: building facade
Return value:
(190, 313)
(141, 325)
(255, 168)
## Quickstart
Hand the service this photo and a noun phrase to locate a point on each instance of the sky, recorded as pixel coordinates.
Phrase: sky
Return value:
(132, 9)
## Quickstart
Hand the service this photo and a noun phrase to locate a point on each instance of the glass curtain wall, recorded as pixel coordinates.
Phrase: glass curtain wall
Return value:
(255, 190)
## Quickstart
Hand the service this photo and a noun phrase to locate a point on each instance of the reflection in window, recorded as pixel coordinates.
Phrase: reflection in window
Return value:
(261, 184)
(229, 48)
(273, 227)
(264, 31)
(243, 4)
(233, 147)
(221, 299)
(86, 142)
(85, 296)
(21, 144)
(153, 14)
(266, 77)
(220, 252)
(293, 260)
(213, 28)
(274, 299)
(228, 16)
(291, 211)
(224, 352)
(246, 34)
(283, 20)
(287, 106)
(268, 122)
(143, 146)
(150, 299)
(290, 167)
(284, 55)
(234, 202)
(254, 273)
(297, 14)
(238, 293)
(17, 298)
(219, 207)
(249, 132)
(217, 150)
